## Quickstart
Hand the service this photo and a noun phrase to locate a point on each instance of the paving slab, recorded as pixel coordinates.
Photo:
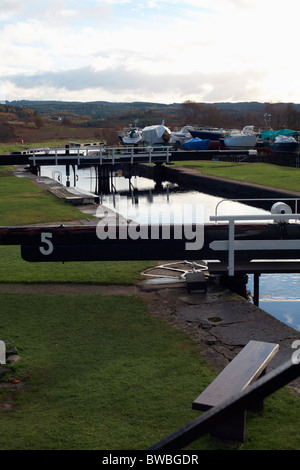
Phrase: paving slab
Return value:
(221, 323)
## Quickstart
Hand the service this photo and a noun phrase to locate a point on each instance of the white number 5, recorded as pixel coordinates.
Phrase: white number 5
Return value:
(46, 239)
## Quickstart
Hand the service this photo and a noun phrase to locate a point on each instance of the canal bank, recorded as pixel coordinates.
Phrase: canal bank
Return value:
(220, 321)
(216, 186)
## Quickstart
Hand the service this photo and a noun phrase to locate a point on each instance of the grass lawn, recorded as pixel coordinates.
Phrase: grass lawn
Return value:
(23, 203)
(99, 371)
(57, 143)
(260, 173)
(15, 270)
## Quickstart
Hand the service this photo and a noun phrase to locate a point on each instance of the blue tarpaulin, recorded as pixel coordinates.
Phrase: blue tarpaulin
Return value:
(196, 144)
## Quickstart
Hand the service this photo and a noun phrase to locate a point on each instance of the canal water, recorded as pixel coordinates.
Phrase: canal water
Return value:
(137, 197)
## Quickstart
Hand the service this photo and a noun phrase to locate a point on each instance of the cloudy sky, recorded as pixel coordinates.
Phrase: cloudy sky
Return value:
(155, 50)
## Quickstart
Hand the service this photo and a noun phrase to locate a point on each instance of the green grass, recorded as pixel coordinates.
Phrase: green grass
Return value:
(15, 270)
(8, 148)
(101, 373)
(23, 203)
(275, 176)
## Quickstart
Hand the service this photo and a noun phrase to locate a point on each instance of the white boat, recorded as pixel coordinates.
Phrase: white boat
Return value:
(130, 135)
(133, 137)
(182, 135)
(240, 140)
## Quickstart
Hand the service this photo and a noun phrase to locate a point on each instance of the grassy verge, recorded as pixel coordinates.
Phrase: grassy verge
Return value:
(265, 174)
(100, 373)
(7, 148)
(23, 203)
(14, 270)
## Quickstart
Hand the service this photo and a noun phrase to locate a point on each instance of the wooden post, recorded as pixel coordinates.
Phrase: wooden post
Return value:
(256, 290)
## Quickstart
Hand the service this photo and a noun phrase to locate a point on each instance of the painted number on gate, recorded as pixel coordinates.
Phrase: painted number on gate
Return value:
(47, 247)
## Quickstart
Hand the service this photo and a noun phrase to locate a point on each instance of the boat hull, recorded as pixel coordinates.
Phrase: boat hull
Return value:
(243, 142)
(284, 147)
(206, 134)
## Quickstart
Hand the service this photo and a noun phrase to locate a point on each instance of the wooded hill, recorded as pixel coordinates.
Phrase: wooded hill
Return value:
(99, 115)
(228, 113)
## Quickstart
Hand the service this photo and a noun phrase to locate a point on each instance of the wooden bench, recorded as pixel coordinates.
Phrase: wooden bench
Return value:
(245, 368)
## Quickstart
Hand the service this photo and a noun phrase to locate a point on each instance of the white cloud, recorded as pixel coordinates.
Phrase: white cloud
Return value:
(197, 49)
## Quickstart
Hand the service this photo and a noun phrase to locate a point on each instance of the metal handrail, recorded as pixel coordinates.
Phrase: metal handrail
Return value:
(255, 392)
(113, 153)
(259, 200)
(230, 244)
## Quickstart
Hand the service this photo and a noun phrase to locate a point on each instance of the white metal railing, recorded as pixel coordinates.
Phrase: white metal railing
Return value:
(231, 245)
(103, 154)
(243, 200)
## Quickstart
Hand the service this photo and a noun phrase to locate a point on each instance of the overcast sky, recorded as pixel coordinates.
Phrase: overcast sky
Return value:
(156, 50)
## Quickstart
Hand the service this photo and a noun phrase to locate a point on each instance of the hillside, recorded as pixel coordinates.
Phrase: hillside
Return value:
(106, 108)
(35, 121)
(95, 109)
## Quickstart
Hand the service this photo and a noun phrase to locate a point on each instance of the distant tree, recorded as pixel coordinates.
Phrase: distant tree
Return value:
(6, 132)
(283, 115)
(66, 122)
(39, 122)
(200, 114)
(26, 114)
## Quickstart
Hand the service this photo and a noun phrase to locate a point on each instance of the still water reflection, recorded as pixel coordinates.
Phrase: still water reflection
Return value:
(279, 293)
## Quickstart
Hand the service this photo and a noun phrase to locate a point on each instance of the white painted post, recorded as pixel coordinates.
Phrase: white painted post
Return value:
(2, 352)
(231, 248)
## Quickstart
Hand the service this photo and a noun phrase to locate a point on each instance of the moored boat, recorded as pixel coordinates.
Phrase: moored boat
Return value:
(211, 133)
(130, 135)
(282, 140)
(283, 143)
(133, 137)
(157, 134)
(180, 136)
(241, 140)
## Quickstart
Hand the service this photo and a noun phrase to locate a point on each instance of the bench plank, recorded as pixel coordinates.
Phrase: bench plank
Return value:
(244, 369)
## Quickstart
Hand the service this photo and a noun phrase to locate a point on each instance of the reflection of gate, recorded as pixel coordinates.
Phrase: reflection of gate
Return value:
(57, 175)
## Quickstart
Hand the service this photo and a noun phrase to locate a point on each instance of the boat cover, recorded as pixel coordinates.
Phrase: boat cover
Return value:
(196, 144)
(273, 134)
(156, 134)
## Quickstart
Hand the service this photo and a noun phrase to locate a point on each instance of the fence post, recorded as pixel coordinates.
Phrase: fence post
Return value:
(231, 248)
(2, 352)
